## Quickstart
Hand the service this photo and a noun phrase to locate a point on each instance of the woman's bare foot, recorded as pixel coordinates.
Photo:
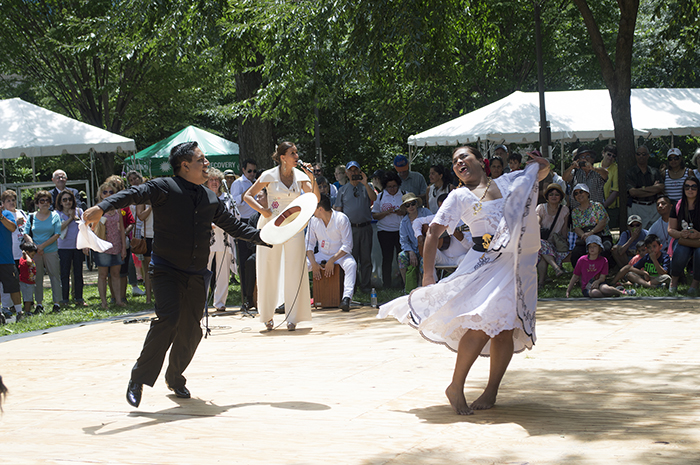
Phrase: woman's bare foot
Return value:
(459, 403)
(121, 303)
(104, 305)
(485, 401)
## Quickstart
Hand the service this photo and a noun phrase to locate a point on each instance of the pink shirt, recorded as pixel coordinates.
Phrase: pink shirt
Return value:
(590, 270)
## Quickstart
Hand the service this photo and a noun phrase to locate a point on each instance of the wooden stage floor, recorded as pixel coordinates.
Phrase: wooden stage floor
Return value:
(609, 382)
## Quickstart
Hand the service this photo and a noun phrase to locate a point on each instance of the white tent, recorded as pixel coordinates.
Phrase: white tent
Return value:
(37, 132)
(577, 114)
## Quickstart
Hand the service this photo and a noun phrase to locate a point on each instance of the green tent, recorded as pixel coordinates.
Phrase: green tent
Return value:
(153, 161)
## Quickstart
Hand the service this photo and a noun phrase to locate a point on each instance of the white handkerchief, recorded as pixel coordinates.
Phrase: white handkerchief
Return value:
(87, 239)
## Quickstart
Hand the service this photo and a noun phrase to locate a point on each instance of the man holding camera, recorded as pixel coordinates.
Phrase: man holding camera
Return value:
(582, 171)
(355, 200)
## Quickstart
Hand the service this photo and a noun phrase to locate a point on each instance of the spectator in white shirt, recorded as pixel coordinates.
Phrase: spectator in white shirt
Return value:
(238, 188)
(331, 231)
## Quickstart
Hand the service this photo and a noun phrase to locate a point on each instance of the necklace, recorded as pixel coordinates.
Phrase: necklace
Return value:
(477, 206)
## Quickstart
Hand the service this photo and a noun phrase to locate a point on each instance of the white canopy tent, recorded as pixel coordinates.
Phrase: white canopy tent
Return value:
(27, 129)
(573, 115)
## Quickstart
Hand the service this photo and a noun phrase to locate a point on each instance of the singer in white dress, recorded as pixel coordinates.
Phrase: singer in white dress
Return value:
(487, 307)
(284, 183)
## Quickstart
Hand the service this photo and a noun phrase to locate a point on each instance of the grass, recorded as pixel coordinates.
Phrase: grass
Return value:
(553, 288)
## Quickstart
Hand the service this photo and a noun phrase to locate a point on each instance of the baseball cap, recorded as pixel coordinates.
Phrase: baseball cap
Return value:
(633, 218)
(401, 163)
(594, 240)
(351, 164)
(501, 146)
(229, 173)
(674, 151)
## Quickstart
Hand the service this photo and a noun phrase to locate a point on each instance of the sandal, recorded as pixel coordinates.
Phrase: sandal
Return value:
(270, 325)
(291, 327)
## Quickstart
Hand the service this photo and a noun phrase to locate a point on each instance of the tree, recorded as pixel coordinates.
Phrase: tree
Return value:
(119, 66)
(617, 74)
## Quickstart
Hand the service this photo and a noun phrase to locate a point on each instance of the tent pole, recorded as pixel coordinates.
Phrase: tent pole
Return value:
(33, 171)
(562, 156)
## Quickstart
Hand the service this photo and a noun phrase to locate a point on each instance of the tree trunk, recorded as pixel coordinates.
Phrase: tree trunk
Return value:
(618, 80)
(255, 135)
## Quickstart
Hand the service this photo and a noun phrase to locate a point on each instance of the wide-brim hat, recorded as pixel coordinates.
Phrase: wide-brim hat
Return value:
(290, 221)
(556, 187)
(581, 187)
(410, 196)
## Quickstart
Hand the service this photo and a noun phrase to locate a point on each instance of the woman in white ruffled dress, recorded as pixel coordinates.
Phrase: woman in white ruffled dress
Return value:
(487, 306)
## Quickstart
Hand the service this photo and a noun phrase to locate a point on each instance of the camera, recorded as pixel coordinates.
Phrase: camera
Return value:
(581, 163)
(357, 177)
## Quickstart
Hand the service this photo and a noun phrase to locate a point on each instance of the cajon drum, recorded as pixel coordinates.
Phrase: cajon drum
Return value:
(329, 291)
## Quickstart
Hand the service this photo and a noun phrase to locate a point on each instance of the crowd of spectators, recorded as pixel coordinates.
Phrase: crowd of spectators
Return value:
(578, 214)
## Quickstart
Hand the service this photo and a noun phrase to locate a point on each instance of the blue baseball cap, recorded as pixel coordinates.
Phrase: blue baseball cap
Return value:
(401, 163)
(351, 164)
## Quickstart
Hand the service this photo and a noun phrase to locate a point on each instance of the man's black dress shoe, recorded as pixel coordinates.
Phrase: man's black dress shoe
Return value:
(133, 393)
(345, 304)
(181, 392)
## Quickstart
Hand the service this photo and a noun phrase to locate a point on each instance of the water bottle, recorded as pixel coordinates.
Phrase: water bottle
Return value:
(373, 298)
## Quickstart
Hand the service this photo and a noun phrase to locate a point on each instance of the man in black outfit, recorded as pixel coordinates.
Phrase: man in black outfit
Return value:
(183, 211)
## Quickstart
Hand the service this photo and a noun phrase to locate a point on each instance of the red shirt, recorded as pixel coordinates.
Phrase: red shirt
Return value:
(27, 271)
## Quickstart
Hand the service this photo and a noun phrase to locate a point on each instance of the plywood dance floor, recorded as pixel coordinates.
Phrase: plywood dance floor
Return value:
(609, 382)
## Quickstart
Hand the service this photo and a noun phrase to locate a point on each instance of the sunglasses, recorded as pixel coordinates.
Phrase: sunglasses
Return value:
(44, 201)
(107, 192)
(690, 187)
(673, 158)
(642, 154)
(411, 204)
(251, 171)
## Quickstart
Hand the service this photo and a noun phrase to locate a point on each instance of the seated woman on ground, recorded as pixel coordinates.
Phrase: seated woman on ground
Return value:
(547, 213)
(683, 228)
(591, 270)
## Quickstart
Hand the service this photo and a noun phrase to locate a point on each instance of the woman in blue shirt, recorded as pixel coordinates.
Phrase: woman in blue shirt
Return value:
(44, 228)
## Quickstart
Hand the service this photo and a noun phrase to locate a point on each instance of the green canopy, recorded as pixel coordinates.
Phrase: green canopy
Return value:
(153, 161)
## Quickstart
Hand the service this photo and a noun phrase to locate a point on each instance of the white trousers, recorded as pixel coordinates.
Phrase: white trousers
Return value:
(273, 272)
(223, 259)
(349, 266)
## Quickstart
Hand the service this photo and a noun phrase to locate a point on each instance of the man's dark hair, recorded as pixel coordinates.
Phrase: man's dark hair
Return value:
(320, 180)
(325, 202)
(515, 156)
(650, 239)
(246, 162)
(441, 198)
(179, 153)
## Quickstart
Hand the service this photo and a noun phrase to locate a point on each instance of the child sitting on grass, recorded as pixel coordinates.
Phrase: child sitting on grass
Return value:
(641, 252)
(27, 274)
(652, 269)
(591, 270)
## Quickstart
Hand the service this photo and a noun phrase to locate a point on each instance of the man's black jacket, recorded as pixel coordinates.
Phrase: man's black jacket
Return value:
(182, 216)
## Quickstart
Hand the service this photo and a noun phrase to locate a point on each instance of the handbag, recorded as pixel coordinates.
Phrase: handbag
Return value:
(138, 246)
(559, 243)
(585, 229)
(101, 229)
(546, 232)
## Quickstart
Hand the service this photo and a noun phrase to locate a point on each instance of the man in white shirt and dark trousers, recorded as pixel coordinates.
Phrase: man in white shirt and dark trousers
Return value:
(332, 232)
(238, 188)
